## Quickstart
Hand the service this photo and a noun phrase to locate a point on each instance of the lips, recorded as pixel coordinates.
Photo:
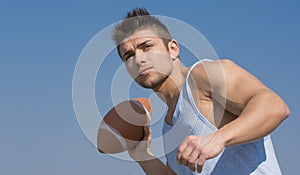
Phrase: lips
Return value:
(145, 71)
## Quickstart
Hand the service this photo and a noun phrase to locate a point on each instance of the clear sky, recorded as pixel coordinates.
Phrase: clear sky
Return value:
(41, 43)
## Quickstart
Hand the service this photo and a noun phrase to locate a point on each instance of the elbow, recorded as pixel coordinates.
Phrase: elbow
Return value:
(280, 108)
(283, 110)
(286, 111)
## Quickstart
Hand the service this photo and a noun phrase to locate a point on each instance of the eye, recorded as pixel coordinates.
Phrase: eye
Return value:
(147, 46)
(128, 58)
(128, 55)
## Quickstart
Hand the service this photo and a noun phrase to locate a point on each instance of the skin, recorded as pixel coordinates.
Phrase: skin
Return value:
(249, 109)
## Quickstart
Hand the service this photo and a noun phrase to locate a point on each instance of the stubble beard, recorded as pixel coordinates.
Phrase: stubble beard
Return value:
(151, 81)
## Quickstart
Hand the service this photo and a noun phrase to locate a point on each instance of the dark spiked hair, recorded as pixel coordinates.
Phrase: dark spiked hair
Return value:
(138, 19)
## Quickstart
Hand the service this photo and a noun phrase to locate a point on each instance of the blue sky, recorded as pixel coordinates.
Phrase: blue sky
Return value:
(41, 43)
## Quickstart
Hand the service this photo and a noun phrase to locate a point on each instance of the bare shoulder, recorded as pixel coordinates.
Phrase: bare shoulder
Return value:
(224, 76)
(208, 74)
(208, 67)
(218, 72)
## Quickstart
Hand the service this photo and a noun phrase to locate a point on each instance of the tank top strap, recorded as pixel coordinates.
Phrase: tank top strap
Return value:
(191, 99)
(193, 66)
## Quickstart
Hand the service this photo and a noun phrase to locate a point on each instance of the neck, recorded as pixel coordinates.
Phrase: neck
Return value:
(169, 90)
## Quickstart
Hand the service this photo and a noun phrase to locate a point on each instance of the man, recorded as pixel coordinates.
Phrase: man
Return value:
(227, 112)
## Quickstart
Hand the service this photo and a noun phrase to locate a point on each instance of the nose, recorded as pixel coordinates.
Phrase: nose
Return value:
(139, 57)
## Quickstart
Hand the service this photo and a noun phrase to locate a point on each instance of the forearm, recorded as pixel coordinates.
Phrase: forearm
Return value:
(262, 114)
(143, 156)
(152, 165)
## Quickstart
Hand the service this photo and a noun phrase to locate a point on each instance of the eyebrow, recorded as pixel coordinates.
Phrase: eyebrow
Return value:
(138, 46)
(143, 43)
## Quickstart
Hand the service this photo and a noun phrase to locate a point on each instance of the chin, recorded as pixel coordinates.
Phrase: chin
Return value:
(147, 85)
(151, 83)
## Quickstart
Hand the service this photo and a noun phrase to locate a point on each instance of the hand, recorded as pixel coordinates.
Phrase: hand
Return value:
(199, 148)
(142, 150)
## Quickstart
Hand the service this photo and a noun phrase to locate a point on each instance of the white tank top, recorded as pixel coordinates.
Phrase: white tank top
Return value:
(255, 158)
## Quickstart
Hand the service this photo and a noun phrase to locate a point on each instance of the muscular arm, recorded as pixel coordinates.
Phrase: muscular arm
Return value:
(258, 109)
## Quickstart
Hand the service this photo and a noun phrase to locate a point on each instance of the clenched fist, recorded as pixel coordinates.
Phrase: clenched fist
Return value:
(199, 148)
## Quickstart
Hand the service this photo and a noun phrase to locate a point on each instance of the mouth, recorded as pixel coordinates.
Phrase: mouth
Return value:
(145, 71)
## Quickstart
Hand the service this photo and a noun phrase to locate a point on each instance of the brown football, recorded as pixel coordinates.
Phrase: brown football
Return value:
(122, 127)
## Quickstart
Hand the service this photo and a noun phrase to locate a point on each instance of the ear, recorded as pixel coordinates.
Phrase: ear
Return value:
(173, 49)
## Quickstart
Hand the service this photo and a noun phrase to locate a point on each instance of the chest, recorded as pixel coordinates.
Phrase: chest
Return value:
(215, 113)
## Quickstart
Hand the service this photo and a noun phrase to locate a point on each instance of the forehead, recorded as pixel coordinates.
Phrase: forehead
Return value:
(139, 37)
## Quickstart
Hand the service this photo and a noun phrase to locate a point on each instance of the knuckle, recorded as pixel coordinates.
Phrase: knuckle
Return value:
(191, 162)
(198, 147)
(180, 149)
(190, 137)
(204, 152)
(185, 157)
(195, 145)
(194, 142)
(200, 163)
(191, 146)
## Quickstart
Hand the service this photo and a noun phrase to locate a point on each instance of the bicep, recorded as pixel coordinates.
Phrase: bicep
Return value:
(228, 84)
(240, 86)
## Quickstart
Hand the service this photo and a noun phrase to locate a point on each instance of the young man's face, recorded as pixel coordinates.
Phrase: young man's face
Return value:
(146, 58)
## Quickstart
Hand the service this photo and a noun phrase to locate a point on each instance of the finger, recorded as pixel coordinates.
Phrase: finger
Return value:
(181, 149)
(200, 163)
(180, 152)
(192, 160)
(186, 154)
(147, 133)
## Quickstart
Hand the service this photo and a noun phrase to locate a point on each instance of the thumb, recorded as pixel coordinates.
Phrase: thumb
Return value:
(147, 133)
